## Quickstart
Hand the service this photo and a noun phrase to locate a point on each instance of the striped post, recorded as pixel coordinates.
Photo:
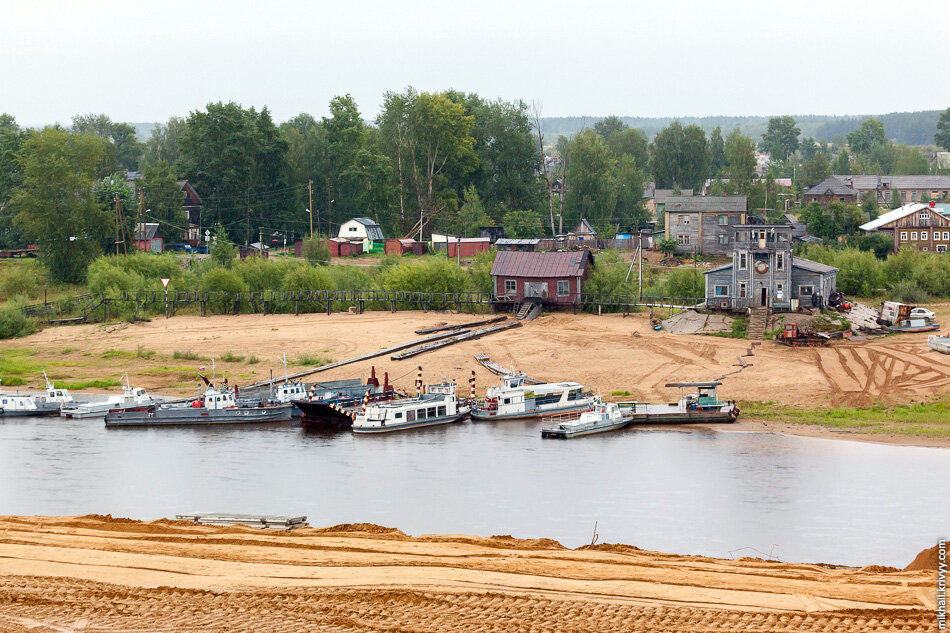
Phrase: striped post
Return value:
(471, 382)
(419, 382)
(365, 402)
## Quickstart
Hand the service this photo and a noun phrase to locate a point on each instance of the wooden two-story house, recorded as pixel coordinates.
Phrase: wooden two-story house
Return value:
(925, 227)
(704, 224)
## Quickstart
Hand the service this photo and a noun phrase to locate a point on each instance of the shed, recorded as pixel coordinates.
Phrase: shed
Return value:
(583, 231)
(555, 278)
(402, 246)
(467, 246)
(148, 237)
(493, 233)
(512, 244)
(344, 248)
(359, 229)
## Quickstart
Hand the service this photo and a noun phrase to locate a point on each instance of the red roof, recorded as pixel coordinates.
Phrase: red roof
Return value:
(541, 265)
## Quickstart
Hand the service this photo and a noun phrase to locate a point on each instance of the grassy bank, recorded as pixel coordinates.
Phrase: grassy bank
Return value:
(922, 419)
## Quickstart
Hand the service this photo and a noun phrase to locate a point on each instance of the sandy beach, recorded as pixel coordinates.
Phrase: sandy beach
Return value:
(96, 573)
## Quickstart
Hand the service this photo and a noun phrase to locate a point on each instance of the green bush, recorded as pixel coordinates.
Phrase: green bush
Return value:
(686, 283)
(316, 250)
(13, 323)
(22, 278)
(907, 291)
(221, 280)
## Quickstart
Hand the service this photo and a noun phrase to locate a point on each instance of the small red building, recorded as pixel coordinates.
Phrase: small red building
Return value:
(344, 248)
(554, 278)
(148, 237)
(402, 246)
(468, 246)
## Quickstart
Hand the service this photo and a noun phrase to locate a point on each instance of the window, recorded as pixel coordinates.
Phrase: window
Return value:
(903, 236)
(743, 261)
(941, 248)
(683, 239)
(923, 235)
(806, 291)
(723, 239)
(352, 229)
(563, 287)
(684, 219)
(780, 261)
(742, 291)
(511, 286)
(780, 291)
(946, 235)
(722, 291)
(913, 235)
(913, 195)
(723, 220)
(924, 215)
(841, 199)
(442, 412)
(398, 414)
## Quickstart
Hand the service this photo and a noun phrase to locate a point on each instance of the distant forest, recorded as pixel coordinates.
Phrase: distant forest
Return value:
(912, 128)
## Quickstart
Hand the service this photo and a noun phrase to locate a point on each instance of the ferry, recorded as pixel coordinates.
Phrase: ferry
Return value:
(515, 400)
(215, 406)
(334, 404)
(702, 405)
(600, 418)
(23, 405)
(438, 405)
(131, 398)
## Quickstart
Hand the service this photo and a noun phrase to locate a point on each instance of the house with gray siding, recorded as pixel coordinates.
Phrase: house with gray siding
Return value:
(704, 224)
(764, 272)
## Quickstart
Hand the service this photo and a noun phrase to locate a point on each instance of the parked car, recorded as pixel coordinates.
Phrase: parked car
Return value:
(922, 313)
(176, 247)
(203, 250)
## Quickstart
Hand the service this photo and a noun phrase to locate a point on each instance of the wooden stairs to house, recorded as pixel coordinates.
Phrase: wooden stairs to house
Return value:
(757, 323)
(528, 311)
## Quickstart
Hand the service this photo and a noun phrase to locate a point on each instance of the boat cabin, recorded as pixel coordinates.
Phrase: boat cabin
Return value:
(290, 391)
(704, 396)
(214, 399)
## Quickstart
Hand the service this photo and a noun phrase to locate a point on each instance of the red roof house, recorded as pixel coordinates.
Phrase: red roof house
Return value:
(548, 277)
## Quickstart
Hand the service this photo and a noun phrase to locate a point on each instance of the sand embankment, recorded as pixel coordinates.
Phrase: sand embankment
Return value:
(94, 573)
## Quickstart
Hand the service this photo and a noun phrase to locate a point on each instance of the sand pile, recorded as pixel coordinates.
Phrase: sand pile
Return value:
(926, 559)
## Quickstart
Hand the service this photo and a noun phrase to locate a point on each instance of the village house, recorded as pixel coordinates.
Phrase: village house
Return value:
(831, 190)
(192, 205)
(704, 224)
(764, 272)
(548, 278)
(925, 227)
(148, 237)
(654, 200)
(911, 188)
(359, 229)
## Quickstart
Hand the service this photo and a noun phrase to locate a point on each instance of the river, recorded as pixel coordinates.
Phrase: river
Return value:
(675, 490)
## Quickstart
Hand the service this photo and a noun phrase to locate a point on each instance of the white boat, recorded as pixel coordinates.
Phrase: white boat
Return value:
(22, 404)
(289, 390)
(515, 400)
(703, 405)
(939, 343)
(130, 398)
(439, 405)
(600, 418)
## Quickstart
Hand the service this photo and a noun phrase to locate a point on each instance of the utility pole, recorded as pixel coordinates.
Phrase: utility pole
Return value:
(640, 270)
(116, 223)
(247, 218)
(261, 239)
(310, 193)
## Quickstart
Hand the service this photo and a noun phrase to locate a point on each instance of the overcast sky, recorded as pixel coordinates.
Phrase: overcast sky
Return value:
(146, 61)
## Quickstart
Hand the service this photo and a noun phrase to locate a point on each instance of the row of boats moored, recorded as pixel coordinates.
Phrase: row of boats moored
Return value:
(566, 408)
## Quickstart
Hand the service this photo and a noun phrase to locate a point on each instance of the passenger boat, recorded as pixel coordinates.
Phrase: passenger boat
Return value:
(703, 405)
(24, 405)
(438, 405)
(600, 418)
(515, 400)
(939, 343)
(215, 406)
(131, 398)
(334, 404)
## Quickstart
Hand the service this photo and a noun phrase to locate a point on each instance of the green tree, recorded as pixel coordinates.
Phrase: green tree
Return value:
(471, 215)
(942, 137)
(667, 246)
(717, 152)
(694, 157)
(814, 170)
(11, 174)
(740, 161)
(164, 201)
(629, 212)
(910, 162)
(630, 142)
(316, 250)
(869, 135)
(55, 204)
(163, 142)
(223, 251)
(608, 126)
(522, 224)
(128, 149)
(897, 199)
(665, 156)
(592, 193)
(842, 163)
(781, 137)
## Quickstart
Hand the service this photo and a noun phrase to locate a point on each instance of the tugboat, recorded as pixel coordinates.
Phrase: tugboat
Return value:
(703, 405)
(334, 404)
(214, 406)
(23, 405)
(438, 405)
(600, 418)
(514, 400)
(131, 398)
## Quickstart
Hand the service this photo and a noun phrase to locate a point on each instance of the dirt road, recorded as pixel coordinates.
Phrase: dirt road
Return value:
(96, 574)
(600, 351)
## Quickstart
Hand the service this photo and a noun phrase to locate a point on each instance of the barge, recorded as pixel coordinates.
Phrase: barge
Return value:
(514, 400)
(700, 406)
(334, 404)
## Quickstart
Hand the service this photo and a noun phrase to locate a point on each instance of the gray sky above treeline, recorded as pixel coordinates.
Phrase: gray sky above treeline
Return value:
(138, 61)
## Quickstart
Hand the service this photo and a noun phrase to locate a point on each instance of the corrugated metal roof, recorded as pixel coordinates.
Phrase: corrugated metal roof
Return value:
(831, 186)
(712, 204)
(891, 216)
(815, 267)
(860, 181)
(541, 265)
(519, 242)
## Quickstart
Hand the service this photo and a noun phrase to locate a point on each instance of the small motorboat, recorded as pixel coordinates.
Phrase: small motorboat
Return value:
(438, 405)
(703, 405)
(26, 405)
(130, 398)
(914, 325)
(600, 418)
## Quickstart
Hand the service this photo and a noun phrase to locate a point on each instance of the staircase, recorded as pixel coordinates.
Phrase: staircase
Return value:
(757, 323)
(528, 311)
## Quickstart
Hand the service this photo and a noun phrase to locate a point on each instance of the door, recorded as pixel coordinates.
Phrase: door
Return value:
(536, 290)
(765, 297)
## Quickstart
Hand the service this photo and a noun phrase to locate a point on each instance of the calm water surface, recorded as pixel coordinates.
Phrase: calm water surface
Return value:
(682, 491)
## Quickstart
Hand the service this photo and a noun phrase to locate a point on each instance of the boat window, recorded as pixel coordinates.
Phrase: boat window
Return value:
(548, 398)
(441, 411)
(432, 412)
(507, 401)
(410, 416)
(421, 414)
(574, 394)
(398, 414)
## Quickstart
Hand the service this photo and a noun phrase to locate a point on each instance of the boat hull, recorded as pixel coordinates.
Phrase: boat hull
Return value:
(391, 428)
(187, 416)
(567, 434)
(482, 415)
(685, 417)
(27, 413)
